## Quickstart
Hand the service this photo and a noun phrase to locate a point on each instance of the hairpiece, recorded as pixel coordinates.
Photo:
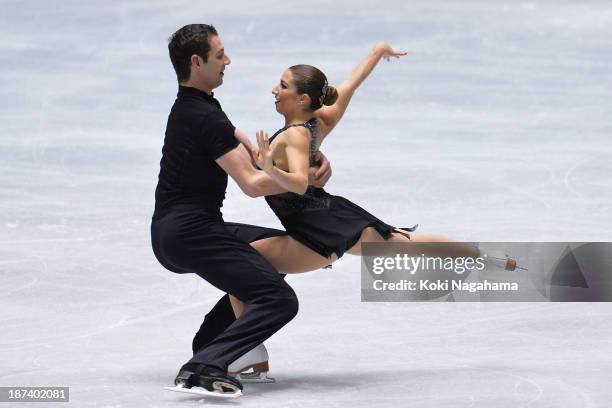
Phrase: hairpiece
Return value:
(323, 93)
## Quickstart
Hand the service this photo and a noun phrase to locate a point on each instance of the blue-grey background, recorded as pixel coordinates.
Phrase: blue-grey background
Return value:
(496, 127)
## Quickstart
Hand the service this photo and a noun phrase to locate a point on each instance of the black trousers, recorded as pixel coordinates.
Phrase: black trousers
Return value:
(222, 315)
(193, 242)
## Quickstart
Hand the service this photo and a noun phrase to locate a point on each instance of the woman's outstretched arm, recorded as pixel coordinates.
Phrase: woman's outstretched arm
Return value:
(331, 115)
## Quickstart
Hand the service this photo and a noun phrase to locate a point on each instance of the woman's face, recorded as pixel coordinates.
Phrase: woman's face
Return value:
(286, 97)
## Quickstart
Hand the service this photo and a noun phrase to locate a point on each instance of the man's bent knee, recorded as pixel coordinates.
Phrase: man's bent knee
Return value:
(288, 304)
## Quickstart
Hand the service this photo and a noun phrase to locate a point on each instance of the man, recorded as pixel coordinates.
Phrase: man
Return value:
(188, 232)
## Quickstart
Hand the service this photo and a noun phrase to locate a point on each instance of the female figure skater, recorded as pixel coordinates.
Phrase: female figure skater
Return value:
(321, 226)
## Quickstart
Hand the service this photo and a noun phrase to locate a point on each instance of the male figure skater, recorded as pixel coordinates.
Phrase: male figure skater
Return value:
(188, 232)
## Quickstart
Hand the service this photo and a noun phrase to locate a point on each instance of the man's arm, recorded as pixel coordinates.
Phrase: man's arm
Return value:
(253, 182)
(244, 139)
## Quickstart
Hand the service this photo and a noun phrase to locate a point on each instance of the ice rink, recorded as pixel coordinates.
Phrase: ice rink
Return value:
(496, 127)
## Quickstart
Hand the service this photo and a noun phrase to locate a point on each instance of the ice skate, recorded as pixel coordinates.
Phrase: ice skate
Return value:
(499, 259)
(206, 381)
(405, 231)
(252, 367)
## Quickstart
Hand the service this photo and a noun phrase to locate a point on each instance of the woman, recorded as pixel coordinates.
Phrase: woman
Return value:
(321, 227)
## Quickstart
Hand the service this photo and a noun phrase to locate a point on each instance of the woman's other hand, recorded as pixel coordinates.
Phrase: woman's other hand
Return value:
(263, 157)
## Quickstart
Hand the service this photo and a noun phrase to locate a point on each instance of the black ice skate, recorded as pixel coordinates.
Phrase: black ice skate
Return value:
(206, 380)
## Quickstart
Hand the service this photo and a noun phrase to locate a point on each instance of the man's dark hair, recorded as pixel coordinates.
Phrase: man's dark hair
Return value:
(189, 40)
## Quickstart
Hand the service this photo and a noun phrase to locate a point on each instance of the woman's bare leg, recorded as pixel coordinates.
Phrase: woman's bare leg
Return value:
(288, 256)
(237, 306)
(371, 235)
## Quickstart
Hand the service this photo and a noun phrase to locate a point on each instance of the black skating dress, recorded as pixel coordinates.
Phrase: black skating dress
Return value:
(323, 222)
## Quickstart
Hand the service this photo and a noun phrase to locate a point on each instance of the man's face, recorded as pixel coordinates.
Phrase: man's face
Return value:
(211, 71)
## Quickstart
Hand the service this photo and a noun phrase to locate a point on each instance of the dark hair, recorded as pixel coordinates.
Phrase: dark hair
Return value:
(189, 40)
(312, 81)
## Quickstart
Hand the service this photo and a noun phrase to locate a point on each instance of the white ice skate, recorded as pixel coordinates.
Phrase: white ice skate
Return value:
(252, 367)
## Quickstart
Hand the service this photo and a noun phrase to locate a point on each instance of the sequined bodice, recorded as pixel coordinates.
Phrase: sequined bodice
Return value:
(311, 125)
(315, 198)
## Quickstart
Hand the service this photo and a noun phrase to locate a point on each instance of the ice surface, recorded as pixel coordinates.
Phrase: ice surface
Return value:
(496, 127)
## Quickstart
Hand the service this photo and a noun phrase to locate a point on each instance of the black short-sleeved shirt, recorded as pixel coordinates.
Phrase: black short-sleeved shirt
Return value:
(198, 133)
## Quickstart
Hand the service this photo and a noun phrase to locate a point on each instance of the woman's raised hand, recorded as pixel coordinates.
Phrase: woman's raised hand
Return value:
(387, 52)
(263, 157)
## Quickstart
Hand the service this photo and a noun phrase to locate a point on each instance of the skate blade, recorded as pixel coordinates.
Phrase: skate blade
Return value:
(204, 392)
(406, 230)
(255, 378)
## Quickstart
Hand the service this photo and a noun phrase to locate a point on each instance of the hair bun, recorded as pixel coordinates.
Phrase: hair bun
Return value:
(331, 96)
